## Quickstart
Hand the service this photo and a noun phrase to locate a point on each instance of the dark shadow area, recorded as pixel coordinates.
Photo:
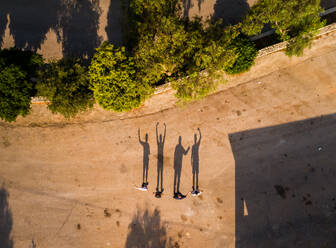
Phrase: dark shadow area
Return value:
(230, 11)
(327, 4)
(113, 28)
(78, 26)
(195, 160)
(146, 152)
(74, 21)
(3, 24)
(6, 220)
(29, 22)
(285, 179)
(178, 157)
(160, 140)
(147, 231)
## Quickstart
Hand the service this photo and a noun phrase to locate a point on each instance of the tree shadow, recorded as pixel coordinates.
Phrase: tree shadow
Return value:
(29, 22)
(188, 4)
(178, 156)
(285, 184)
(3, 24)
(113, 28)
(78, 26)
(6, 220)
(74, 21)
(148, 231)
(230, 11)
(146, 153)
(160, 140)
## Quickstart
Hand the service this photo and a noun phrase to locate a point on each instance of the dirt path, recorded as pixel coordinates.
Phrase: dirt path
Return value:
(72, 184)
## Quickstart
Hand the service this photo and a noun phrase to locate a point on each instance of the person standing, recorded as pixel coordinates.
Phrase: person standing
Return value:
(178, 156)
(146, 152)
(195, 163)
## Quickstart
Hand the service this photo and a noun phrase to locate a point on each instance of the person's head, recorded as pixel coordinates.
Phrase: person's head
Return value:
(195, 138)
(146, 137)
(180, 139)
(160, 137)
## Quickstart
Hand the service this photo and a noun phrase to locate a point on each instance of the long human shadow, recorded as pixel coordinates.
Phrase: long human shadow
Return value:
(147, 230)
(230, 11)
(6, 220)
(285, 179)
(160, 144)
(178, 156)
(195, 159)
(145, 164)
(113, 28)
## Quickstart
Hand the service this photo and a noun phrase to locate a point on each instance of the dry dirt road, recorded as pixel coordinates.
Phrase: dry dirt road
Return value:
(267, 167)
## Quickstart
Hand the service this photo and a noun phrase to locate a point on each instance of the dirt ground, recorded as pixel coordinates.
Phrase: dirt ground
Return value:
(72, 184)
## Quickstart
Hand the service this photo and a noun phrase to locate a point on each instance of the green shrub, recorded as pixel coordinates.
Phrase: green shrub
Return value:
(112, 74)
(295, 21)
(17, 67)
(197, 85)
(246, 52)
(65, 84)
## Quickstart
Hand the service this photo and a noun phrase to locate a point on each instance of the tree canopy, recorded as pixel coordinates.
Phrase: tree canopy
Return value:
(65, 83)
(296, 21)
(112, 74)
(17, 68)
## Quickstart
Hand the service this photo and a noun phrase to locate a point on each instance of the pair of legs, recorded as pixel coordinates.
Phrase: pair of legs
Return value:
(177, 177)
(145, 172)
(195, 180)
(159, 179)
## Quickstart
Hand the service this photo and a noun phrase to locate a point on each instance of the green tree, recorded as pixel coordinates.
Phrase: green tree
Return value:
(295, 21)
(112, 75)
(65, 83)
(246, 54)
(17, 68)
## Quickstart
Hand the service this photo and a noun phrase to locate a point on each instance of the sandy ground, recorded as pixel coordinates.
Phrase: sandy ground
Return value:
(72, 184)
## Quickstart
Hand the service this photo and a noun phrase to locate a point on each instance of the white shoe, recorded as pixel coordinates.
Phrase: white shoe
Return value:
(194, 193)
(142, 188)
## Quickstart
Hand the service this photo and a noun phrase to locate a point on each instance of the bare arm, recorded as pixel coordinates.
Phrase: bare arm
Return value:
(186, 151)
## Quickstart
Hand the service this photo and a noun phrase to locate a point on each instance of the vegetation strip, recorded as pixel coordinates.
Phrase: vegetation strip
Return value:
(159, 47)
